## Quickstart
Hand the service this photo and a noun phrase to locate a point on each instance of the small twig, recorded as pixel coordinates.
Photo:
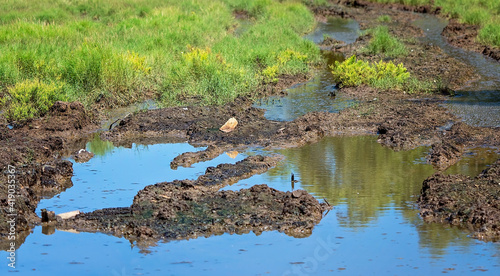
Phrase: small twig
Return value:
(327, 202)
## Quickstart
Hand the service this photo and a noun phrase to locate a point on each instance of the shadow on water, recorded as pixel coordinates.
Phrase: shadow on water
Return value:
(319, 93)
(478, 103)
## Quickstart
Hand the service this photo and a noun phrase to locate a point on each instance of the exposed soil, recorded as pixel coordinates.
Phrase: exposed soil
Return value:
(34, 150)
(464, 201)
(185, 208)
(465, 36)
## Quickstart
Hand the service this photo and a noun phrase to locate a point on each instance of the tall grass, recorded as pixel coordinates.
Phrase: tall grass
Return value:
(383, 42)
(484, 13)
(122, 51)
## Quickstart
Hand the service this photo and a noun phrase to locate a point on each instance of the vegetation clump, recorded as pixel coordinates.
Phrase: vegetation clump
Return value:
(384, 43)
(484, 13)
(383, 75)
(31, 98)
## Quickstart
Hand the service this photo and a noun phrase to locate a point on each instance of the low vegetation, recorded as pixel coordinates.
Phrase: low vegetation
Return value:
(119, 52)
(384, 18)
(382, 75)
(484, 13)
(383, 42)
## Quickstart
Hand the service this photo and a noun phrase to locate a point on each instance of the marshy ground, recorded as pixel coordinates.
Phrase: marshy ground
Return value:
(184, 208)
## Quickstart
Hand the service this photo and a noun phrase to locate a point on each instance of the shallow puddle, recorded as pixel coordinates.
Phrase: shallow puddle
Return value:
(314, 95)
(478, 103)
(374, 227)
(346, 30)
(319, 93)
(474, 161)
(114, 176)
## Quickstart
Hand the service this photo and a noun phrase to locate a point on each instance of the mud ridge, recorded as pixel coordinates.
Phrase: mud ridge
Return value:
(473, 203)
(190, 208)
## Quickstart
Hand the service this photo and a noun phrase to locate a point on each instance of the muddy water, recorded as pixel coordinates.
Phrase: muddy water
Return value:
(314, 95)
(478, 103)
(319, 93)
(345, 30)
(116, 114)
(374, 227)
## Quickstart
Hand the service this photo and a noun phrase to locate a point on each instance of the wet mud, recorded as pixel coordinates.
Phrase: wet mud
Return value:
(34, 150)
(472, 203)
(465, 36)
(190, 208)
(187, 208)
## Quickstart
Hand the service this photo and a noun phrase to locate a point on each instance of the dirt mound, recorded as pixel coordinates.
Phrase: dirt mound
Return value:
(34, 150)
(473, 203)
(185, 208)
(189, 158)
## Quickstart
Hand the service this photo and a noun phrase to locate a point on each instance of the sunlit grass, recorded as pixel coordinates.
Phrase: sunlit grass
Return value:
(484, 13)
(119, 52)
(383, 42)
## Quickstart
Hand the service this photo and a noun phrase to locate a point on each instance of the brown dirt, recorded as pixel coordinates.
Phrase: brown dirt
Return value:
(465, 36)
(189, 158)
(186, 209)
(402, 121)
(34, 150)
(464, 201)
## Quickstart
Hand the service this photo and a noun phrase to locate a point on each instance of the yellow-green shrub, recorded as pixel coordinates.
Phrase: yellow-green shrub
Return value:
(353, 72)
(31, 98)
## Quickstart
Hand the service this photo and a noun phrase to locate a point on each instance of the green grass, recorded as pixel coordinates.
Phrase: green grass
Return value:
(384, 19)
(353, 72)
(122, 51)
(485, 13)
(384, 43)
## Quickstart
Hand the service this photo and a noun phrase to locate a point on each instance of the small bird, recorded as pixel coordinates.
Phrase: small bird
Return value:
(293, 181)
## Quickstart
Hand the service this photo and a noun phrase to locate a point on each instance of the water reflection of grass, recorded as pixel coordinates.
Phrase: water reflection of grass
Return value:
(359, 172)
(368, 179)
(100, 147)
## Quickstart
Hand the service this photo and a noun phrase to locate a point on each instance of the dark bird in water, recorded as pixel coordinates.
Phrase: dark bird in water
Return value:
(293, 181)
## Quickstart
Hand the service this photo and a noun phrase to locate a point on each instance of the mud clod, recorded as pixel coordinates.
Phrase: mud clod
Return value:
(473, 203)
(189, 158)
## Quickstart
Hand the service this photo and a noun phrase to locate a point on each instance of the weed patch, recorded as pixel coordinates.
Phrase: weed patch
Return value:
(384, 43)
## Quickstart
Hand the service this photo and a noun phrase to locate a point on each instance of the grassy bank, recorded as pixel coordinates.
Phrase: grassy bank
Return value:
(117, 52)
(485, 13)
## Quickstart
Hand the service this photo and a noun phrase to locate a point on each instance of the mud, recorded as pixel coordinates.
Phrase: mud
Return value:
(468, 202)
(465, 36)
(402, 122)
(35, 150)
(190, 208)
(189, 158)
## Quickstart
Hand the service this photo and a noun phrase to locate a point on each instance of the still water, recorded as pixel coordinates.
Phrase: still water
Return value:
(478, 103)
(319, 93)
(374, 227)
